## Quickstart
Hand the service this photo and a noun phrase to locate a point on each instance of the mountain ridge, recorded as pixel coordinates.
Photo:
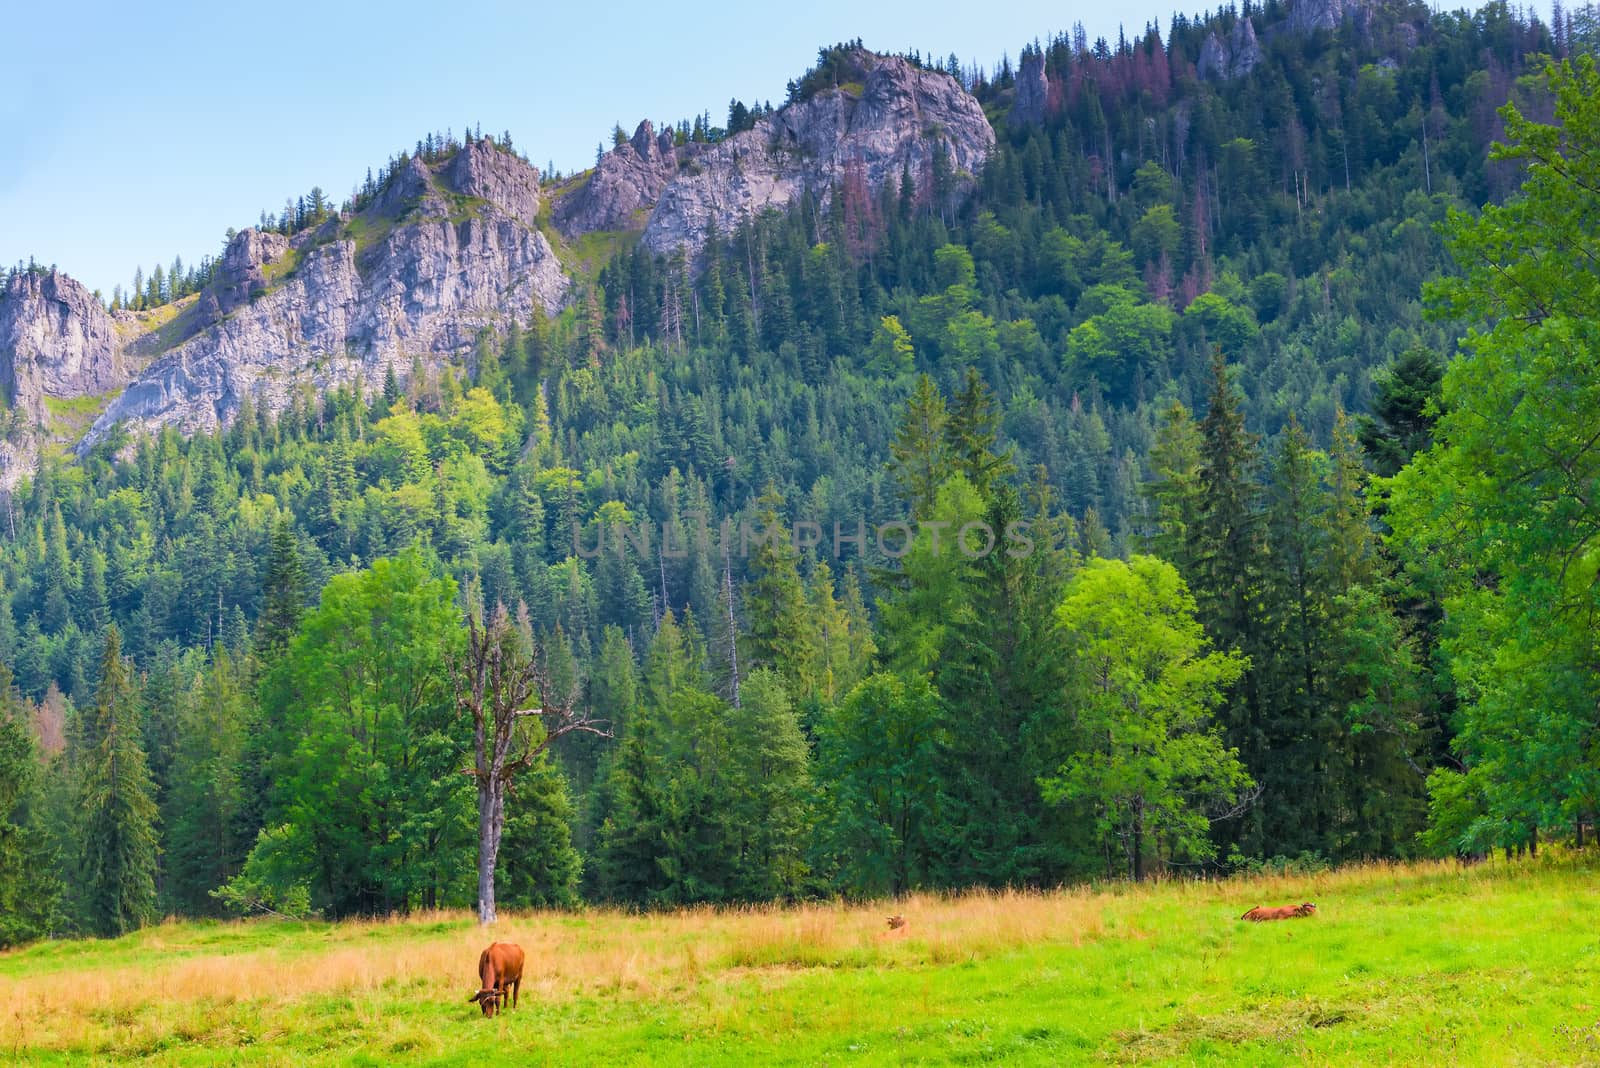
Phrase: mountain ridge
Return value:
(444, 252)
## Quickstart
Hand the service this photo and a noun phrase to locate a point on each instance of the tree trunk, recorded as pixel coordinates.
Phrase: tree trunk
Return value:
(491, 822)
(1138, 842)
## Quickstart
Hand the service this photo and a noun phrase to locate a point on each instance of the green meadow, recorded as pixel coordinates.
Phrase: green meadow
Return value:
(1418, 964)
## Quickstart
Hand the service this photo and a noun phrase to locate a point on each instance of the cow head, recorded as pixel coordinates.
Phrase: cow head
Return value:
(488, 1001)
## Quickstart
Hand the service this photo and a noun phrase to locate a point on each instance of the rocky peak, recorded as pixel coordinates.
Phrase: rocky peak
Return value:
(1033, 90)
(1235, 59)
(484, 170)
(1309, 16)
(888, 118)
(56, 340)
(644, 142)
(242, 272)
(405, 189)
(625, 181)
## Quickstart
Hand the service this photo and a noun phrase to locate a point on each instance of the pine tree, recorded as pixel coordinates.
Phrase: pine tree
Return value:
(1226, 552)
(781, 633)
(283, 593)
(28, 889)
(203, 812)
(1173, 490)
(770, 791)
(971, 433)
(116, 889)
(919, 456)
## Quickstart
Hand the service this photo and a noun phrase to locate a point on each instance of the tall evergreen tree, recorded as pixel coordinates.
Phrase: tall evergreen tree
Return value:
(1226, 555)
(29, 892)
(116, 890)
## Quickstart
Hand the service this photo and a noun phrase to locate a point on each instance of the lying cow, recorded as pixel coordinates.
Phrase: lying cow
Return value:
(499, 977)
(1282, 912)
(897, 928)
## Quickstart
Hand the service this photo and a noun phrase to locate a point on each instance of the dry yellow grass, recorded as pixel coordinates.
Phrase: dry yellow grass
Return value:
(222, 984)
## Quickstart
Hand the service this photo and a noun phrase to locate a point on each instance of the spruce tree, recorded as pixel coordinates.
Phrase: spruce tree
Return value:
(1226, 554)
(919, 456)
(283, 593)
(116, 889)
(782, 634)
(29, 891)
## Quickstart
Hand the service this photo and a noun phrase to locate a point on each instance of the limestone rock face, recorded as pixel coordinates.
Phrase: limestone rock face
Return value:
(1033, 90)
(447, 251)
(484, 171)
(56, 340)
(1309, 16)
(348, 308)
(242, 272)
(895, 118)
(1235, 59)
(626, 182)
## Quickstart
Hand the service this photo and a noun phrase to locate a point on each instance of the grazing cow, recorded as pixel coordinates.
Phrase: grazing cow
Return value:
(1281, 912)
(499, 977)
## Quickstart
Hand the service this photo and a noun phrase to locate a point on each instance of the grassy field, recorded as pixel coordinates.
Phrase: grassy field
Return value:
(1425, 964)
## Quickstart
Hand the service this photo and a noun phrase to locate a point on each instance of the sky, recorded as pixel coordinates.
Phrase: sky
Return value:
(129, 134)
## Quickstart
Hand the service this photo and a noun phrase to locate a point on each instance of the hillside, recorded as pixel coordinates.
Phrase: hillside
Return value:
(451, 246)
(1399, 966)
(1209, 320)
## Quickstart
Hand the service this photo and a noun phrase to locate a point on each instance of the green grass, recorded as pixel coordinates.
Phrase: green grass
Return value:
(282, 268)
(1420, 965)
(71, 416)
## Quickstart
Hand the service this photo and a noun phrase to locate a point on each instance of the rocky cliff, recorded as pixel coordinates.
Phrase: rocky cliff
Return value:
(1234, 59)
(443, 254)
(889, 118)
(56, 340)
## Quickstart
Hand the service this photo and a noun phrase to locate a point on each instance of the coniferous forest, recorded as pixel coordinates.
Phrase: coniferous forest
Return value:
(1289, 379)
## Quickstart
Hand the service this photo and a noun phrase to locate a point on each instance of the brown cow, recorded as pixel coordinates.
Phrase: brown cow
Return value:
(1281, 912)
(500, 977)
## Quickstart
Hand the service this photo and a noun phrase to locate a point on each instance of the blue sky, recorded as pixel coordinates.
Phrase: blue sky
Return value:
(133, 133)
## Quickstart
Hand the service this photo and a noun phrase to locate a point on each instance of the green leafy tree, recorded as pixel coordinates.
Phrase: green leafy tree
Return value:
(1150, 765)
(369, 812)
(1501, 504)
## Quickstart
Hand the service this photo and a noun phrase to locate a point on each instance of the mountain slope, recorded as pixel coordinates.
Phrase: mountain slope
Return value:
(445, 252)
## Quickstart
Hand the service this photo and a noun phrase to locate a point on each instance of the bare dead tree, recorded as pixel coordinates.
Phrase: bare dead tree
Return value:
(501, 672)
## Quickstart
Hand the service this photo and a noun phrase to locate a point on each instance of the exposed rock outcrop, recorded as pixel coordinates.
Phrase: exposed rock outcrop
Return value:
(56, 340)
(894, 118)
(349, 306)
(481, 170)
(1235, 59)
(1309, 16)
(448, 250)
(1033, 90)
(242, 273)
(626, 181)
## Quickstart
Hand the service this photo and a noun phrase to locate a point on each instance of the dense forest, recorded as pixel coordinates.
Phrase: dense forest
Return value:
(1284, 385)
